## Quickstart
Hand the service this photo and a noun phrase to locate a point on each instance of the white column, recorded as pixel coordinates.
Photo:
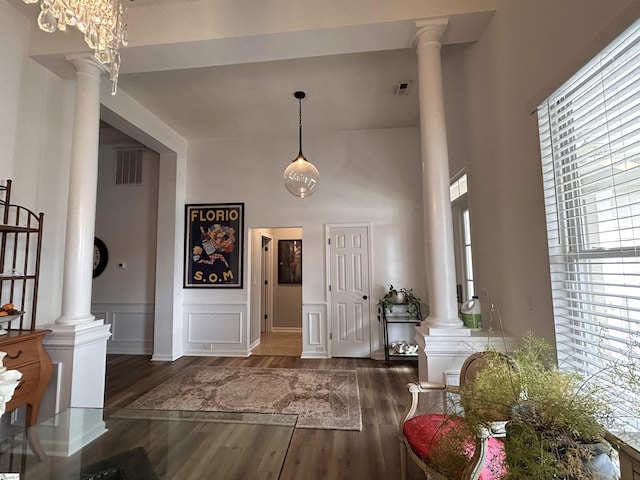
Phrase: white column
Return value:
(78, 342)
(81, 206)
(443, 307)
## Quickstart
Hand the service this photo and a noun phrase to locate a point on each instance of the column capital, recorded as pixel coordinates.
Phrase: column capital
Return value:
(86, 63)
(430, 30)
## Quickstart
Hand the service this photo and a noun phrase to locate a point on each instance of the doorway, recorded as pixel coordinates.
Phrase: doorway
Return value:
(349, 265)
(276, 297)
(126, 219)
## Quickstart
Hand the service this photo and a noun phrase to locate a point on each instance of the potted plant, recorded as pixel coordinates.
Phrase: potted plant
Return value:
(556, 424)
(402, 296)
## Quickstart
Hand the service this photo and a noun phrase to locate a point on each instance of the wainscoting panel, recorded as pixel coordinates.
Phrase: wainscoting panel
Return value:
(314, 341)
(131, 326)
(215, 327)
(216, 330)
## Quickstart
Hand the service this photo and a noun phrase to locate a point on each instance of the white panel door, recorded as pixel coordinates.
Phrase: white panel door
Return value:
(349, 289)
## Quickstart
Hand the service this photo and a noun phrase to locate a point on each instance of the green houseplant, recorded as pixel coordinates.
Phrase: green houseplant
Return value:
(402, 296)
(556, 421)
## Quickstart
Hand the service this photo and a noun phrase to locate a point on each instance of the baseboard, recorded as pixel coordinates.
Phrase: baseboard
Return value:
(164, 358)
(217, 352)
(378, 355)
(314, 355)
(286, 329)
(130, 348)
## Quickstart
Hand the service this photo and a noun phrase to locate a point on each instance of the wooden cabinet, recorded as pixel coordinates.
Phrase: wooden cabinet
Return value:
(26, 354)
(20, 247)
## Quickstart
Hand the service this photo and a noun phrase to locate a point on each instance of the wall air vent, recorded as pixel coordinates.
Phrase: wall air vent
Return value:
(129, 166)
(402, 89)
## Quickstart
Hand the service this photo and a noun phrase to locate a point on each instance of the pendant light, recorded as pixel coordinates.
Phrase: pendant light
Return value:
(301, 177)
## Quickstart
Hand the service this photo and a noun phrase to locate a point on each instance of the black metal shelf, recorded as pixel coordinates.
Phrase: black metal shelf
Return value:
(403, 355)
(396, 319)
(15, 229)
(20, 250)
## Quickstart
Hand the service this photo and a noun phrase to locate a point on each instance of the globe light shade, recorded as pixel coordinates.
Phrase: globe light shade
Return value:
(301, 177)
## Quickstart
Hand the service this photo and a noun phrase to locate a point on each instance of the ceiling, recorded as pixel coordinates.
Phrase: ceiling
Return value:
(232, 80)
(344, 92)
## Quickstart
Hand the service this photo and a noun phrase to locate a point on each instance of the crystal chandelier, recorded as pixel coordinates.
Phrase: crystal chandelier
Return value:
(301, 177)
(103, 23)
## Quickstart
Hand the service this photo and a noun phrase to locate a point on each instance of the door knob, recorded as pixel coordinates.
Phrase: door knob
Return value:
(364, 297)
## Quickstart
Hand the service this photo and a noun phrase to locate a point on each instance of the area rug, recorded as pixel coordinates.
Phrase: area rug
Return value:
(325, 399)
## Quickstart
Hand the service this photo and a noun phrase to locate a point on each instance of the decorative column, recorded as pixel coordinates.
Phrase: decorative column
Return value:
(77, 344)
(441, 269)
(439, 336)
(83, 186)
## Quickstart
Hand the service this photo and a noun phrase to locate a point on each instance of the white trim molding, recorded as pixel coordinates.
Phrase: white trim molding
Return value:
(314, 339)
(131, 326)
(216, 330)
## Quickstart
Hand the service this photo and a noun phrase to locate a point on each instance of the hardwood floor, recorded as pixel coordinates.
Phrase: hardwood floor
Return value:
(284, 344)
(313, 454)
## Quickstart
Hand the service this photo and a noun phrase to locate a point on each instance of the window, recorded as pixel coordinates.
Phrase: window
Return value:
(458, 188)
(590, 145)
(462, 238)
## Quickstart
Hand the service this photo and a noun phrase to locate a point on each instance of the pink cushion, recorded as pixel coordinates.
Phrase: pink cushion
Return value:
(423, 433)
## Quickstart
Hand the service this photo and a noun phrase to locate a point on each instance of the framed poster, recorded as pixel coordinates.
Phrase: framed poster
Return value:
(213, 245)
(290, 261)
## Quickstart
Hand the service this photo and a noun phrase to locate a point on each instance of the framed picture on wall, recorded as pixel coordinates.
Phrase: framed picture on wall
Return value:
(213, 245)
(290, 261)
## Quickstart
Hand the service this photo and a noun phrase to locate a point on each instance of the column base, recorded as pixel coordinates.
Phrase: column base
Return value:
(446, 332)
(440, 357)
(79, 355)
(445, 326)
(75, 321)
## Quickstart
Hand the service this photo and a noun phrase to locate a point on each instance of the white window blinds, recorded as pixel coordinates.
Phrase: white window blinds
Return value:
(590, 145)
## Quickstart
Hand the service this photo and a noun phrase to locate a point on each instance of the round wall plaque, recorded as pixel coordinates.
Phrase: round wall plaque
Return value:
(100, 256)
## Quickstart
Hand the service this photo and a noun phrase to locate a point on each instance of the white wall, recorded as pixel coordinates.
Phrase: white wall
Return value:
(36, 112)
(129, 116)
(528, 50)
(455, 98)
(126, 221)
(14, 40)
(366, 176)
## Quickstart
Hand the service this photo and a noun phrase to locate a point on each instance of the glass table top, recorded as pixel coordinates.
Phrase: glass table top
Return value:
(118, 444)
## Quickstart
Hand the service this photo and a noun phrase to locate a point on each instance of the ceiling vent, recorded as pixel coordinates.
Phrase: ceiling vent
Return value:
(402, 89)
(129, 166)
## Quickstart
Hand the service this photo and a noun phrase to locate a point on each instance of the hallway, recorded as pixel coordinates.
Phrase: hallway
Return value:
(285, 344)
